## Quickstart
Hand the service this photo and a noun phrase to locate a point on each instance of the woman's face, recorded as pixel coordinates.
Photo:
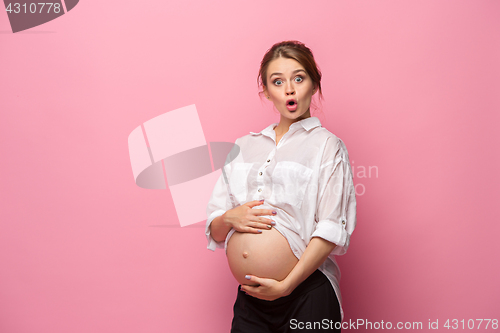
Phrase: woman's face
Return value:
(289, 87)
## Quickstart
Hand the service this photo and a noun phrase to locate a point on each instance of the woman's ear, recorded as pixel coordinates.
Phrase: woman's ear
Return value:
(264, 90)
(315, 88)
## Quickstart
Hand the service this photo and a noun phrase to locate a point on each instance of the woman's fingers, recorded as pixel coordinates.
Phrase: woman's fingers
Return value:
(245, 219)
(251, 230)
(263, 226)
(257, 213)
(264, 223)
(271, 212)
(254, 203)
(256, 227)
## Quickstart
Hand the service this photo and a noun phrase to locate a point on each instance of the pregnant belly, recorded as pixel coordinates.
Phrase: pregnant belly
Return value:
(266, 255)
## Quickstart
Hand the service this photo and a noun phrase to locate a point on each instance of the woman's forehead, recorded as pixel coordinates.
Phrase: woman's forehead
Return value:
(284, 66)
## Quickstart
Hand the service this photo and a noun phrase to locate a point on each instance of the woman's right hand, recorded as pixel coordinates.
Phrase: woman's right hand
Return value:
(245, 219)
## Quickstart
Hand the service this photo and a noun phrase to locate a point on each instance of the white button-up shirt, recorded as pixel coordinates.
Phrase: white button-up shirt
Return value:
(306, 179)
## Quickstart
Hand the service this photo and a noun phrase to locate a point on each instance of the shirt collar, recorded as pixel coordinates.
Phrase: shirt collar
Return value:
(307, 124)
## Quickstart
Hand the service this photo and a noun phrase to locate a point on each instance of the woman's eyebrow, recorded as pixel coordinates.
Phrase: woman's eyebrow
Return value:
(295, 71)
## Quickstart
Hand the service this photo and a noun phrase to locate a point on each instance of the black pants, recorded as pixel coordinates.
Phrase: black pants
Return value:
(311, 307)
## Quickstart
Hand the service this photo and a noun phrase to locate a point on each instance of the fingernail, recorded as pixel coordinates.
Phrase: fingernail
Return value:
(259, 231)
(274, 212)
(261, 200)
(247, 277)
(273, 223)
(269, 226)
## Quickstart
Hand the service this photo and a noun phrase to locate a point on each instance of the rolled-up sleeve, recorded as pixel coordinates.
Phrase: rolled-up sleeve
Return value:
(217, 205)
(221, 199)
(336, 205)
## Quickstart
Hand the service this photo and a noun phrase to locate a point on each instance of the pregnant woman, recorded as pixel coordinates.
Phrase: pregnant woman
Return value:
(284, 206)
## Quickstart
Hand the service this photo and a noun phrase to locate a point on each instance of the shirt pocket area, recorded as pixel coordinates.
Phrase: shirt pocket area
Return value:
(290, 180)
(238, 181)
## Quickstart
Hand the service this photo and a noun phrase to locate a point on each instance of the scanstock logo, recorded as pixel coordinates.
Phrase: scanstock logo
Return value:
(28, 14)
(170, 150)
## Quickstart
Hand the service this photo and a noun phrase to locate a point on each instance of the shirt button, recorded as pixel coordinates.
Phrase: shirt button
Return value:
(343, 222)
(268, 160)
(260, 190)
(260, 173)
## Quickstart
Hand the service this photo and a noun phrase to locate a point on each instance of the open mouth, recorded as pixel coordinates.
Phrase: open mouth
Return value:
(291, 105)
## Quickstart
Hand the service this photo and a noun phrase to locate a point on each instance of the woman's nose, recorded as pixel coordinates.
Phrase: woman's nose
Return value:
(290, 90)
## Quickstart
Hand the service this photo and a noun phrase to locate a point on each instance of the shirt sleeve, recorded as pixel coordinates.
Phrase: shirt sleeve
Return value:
(220, 201)
(217, 206)
(336, 205)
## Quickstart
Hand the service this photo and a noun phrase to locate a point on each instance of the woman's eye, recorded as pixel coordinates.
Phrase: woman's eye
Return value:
(299, 79)
(278, 82)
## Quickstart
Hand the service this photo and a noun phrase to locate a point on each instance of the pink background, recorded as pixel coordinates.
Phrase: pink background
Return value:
(412, 87)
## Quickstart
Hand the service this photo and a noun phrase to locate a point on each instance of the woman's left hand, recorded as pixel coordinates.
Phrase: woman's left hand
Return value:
(268, 289)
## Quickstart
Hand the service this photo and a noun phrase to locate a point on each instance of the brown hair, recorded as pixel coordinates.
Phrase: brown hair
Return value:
(295, 50)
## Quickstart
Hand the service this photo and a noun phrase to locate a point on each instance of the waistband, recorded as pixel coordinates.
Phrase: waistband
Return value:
(313, 281)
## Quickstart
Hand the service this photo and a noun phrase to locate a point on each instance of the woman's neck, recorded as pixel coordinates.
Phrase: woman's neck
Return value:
(284, 124)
